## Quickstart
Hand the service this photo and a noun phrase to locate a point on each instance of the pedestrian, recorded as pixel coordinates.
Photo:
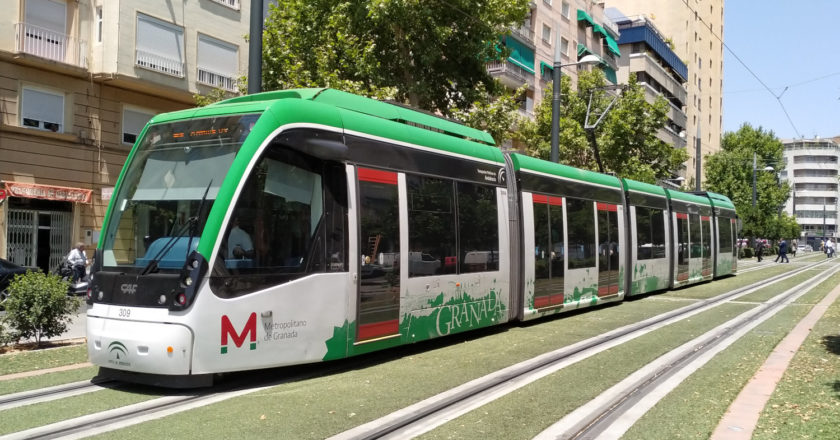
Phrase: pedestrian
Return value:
(759, 250)
(78, 261)
(793, 247)
(829, 248)
(782, 252)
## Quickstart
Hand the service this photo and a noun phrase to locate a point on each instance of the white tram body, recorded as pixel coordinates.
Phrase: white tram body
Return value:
(367, 226)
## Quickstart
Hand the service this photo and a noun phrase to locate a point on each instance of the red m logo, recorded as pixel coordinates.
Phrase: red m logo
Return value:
(239, 338)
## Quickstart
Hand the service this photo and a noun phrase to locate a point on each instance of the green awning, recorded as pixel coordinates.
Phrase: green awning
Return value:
(583, 16)
(609, 73)
(545, 67)
(521, 55)
(598, 29)
(612, 45)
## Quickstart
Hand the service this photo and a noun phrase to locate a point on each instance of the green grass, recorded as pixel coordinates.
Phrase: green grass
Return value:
(31, 416)
(806, 403)
(764, 294)
(46, 380)
(533, 408)
(694, 409)
(21, 361)
(721, 286)
(329, 404)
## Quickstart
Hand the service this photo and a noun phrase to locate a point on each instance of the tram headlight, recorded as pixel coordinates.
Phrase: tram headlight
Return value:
(162, 299)
(100, 295)
(188, 281)
(182, 299)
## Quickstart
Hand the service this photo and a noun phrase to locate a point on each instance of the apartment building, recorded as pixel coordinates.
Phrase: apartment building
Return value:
(582, 28)
(646, 54)
(811, 170)
(695, 29)
(78, 81)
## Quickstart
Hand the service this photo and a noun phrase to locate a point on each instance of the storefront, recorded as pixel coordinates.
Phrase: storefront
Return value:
(37, 222)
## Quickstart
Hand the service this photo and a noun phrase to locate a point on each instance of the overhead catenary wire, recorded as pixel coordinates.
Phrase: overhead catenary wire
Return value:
(732, 52)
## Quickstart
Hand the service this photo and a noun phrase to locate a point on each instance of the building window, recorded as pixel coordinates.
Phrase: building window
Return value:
(564, 9)
(42, 110)
(700, 63)
(218, 63)
(547, 2)
(132, 124)
(564, 47)
(99, 24)
(44, 31)
(546, 34)
(160, 46)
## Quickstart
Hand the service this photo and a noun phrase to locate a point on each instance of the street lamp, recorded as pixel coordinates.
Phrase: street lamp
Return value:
(555, 101)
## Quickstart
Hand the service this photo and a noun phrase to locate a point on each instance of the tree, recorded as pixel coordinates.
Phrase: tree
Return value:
(730, 172)
(498, 116)
(431, 56)
(624, 142)
(38, 306)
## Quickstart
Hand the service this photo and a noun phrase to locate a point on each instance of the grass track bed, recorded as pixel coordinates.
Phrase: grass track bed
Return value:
(27, 417)
(40, 359)
(533, 408)
(46, 380)
(327, 405)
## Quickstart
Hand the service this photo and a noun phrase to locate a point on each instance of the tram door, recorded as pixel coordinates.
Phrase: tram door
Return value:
(607, 249)
(379, 272)
(682, 247)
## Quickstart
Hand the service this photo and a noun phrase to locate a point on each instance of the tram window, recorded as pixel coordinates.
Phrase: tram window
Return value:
(281, 210)
(431, 226)
(581, 230)
(542, 245)
(650, 233)
(478, 228)
(694, 236)
(725, 234)
(549, 251)
(682, 241)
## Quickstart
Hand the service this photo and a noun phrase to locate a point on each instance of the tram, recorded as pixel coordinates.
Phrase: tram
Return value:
(310, 225)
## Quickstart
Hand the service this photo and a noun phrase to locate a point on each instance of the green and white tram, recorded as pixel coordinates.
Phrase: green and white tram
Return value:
(307, 225)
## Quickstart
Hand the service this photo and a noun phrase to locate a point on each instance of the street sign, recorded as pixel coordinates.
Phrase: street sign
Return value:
(2, 195)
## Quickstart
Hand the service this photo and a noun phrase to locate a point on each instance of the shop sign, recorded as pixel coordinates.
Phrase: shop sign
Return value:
(2, 195)
(48, 192)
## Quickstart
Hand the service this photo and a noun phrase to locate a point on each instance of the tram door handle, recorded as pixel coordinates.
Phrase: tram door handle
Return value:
(355, 277)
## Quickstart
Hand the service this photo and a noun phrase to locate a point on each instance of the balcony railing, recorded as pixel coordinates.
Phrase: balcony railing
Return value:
(51, 45)
(234, 4)
(507, 69)
(158, 63)
(216, 80)
(524, 34)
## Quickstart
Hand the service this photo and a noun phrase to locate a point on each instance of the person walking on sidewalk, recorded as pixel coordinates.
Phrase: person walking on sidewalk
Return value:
(759, 250)
(829, 248)
(782, 252)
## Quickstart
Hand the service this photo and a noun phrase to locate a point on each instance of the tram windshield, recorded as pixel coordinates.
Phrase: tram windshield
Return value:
(176, 171)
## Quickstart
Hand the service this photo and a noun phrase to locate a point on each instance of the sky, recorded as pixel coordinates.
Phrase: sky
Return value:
(785, 44)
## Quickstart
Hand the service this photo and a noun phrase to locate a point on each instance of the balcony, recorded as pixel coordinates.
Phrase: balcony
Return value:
(158, 63)
(645, 63)
(523, 34)
(47, 44)
(510, 74)
(218, 80)
(233, 4)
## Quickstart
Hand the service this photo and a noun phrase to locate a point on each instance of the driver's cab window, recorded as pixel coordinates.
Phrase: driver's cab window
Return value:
(283, 225)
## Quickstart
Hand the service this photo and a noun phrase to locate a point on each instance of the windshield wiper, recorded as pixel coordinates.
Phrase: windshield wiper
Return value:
(190, 225)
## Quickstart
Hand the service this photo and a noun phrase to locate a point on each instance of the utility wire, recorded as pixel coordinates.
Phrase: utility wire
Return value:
(769, 90)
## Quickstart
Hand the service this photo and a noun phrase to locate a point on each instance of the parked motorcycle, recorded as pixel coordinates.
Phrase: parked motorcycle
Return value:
(65, 271)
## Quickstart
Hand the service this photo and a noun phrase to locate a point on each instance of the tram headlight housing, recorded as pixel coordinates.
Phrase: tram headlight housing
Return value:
(192, 273)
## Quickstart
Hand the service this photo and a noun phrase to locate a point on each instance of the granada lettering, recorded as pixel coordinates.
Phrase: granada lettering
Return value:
(279, 331)
(456, 317)
(250, 331)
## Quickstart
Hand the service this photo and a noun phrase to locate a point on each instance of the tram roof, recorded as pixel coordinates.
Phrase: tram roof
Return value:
(354, 113)
(643, 187)
(521, 162)
(686, 197)
(718, 200)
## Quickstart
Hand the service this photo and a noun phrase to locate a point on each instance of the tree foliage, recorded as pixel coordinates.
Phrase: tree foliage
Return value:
(624, 142)
(431, 56)
(497, 115)
(730, 172)
(38, 306)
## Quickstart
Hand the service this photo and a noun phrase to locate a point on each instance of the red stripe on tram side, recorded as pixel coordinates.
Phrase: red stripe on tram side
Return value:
(541, 199)
(547, 301)
(682, 216)
(378, 176)
(556, 201)
(607, 207)
(705, 218)
(379, 329)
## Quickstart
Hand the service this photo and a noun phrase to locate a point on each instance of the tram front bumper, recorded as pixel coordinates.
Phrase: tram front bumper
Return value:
(141, 347)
